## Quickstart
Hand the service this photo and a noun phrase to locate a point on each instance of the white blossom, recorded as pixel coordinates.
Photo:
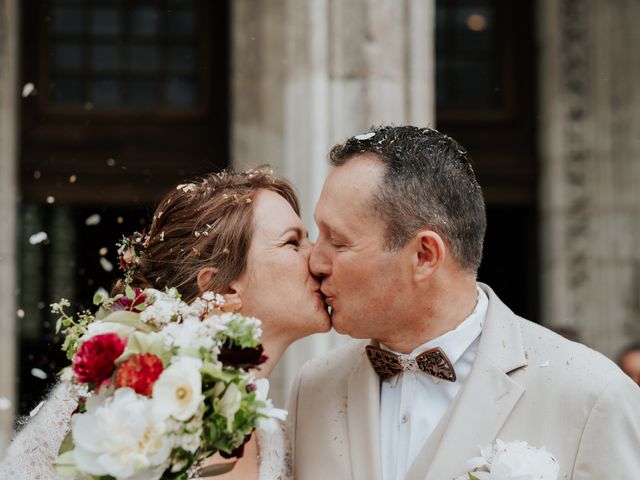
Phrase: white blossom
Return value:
(178, 391)
(121, 436)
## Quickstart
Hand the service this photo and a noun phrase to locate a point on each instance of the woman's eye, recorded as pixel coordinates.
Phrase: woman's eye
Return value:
(294, 243)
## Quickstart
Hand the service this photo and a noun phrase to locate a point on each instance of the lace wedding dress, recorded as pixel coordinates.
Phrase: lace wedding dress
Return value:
(32, 451)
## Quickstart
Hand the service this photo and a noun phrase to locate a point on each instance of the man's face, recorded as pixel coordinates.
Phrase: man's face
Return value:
(361, 279)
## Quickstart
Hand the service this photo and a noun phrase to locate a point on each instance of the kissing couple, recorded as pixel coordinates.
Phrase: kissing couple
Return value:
(438, 367)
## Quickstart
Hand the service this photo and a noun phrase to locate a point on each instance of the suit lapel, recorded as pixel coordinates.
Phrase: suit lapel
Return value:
(484, 401)
(363, 420)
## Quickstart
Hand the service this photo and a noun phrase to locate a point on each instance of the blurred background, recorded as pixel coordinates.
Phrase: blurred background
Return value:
(107, 104)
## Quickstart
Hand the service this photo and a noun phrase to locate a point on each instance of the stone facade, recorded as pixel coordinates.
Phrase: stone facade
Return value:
(590, 159)
(8, 201)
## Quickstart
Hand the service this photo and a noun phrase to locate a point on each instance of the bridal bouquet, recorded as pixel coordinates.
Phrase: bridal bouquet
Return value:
(161, 385)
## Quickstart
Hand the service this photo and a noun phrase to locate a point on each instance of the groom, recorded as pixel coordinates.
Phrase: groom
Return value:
(445, 366)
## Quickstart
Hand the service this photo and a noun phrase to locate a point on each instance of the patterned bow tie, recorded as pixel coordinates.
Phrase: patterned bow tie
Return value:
(433, 362)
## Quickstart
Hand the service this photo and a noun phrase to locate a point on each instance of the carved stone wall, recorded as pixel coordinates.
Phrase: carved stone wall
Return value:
(306, 75)
(8, 201)
(590, 154)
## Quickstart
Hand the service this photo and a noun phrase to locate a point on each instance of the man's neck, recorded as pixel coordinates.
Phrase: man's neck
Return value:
(442, 313)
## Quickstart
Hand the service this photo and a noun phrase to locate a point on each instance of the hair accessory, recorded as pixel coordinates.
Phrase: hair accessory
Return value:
(130, 250)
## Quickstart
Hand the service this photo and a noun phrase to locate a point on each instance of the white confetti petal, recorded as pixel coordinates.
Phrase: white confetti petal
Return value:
(5, 403)
(38, 238)
(38, 373)
(544, 364)
(365, 136)
(106, 264)
(35, 411)
(93, 219)
(28, 89)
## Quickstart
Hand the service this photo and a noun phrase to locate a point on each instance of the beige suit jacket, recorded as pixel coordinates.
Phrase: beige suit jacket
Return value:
(526, 383)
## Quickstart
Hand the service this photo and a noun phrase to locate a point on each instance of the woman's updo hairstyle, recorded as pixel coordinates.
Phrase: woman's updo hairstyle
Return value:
(205, 223)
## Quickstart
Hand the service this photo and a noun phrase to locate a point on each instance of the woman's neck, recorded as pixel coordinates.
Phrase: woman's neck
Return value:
(274, 347)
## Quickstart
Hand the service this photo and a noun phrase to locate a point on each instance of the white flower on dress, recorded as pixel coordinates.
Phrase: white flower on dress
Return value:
(512, 461)
(178, 391)
(121, 436)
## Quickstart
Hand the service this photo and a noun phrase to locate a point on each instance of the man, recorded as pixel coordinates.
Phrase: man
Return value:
(446, 367)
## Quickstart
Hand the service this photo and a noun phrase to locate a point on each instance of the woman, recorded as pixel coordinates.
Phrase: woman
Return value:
(238, 234)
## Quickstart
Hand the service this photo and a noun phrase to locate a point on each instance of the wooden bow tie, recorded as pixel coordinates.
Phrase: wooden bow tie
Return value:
(433, 362)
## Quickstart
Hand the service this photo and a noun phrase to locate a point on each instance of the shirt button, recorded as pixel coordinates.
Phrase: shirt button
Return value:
(404, 418)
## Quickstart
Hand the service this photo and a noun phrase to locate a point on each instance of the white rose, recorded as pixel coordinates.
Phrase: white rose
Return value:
(121, 436)
(178, 390)
(190, 335)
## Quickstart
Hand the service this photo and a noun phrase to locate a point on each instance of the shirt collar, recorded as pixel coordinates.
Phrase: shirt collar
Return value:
(455, 342)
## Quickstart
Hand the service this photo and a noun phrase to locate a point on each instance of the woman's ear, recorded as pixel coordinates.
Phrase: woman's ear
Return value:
(205, 278)
(429, 254)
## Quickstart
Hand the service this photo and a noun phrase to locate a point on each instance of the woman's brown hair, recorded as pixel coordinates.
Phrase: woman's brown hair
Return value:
(205, 223)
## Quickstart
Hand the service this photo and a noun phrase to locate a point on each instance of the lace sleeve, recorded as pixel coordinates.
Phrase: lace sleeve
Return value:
(32, 451)
(275, 454)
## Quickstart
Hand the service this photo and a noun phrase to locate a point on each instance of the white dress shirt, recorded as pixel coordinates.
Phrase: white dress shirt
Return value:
(412, 403)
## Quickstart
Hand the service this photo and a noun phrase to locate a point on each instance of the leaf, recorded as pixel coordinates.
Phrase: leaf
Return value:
(130, 319)
(130, 292)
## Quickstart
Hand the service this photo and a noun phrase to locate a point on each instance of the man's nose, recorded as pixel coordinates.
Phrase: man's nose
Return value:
(319, 261)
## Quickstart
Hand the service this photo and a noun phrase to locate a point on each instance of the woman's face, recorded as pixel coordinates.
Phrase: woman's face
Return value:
(276, 286)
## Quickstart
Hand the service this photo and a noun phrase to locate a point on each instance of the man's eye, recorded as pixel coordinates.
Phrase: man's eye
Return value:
(294, 243)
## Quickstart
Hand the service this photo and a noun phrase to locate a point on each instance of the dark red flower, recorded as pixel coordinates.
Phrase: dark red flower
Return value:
(234, 356)
(94, 360)
(140, 371)
(237, 452)
(129, 304)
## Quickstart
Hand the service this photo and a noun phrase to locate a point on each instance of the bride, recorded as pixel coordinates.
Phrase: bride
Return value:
(239, 234)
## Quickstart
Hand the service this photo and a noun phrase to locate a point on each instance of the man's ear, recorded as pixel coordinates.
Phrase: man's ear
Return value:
(429, 254)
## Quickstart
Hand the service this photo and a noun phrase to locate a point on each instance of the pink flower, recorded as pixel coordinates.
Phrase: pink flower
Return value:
(94, 360)
(129, 304)
(140, 372)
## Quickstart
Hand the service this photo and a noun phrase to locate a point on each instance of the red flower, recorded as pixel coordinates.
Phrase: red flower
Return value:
(140, 372)
(129, 304)
(94, 360)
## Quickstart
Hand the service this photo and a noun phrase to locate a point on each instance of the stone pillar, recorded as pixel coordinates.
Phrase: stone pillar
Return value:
(306, 75)
(8, 203)
(590, 175)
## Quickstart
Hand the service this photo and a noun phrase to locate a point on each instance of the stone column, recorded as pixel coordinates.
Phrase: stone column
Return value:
(9, 96)
(306, 75)
(590, 175)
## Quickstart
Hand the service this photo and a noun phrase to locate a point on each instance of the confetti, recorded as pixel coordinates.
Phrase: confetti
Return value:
(103, 251)
(93, 219)
(120, 220)
(28, 89)
(37, 174)
(38, 238)
(38, 373)
(20, 313)
(35, 411)
(73, 178)
(365, 136)
(106, 264)
(51, 199)
(111, 162)
(544, 364)
(5, 403)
